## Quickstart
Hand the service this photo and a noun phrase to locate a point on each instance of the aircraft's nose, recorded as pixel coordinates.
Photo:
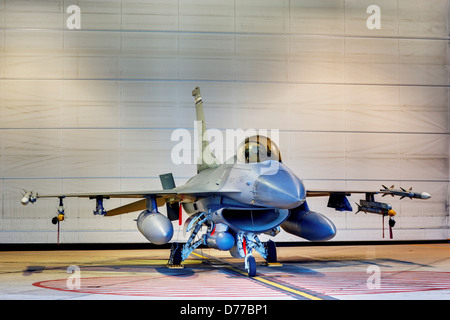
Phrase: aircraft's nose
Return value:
(282, 189)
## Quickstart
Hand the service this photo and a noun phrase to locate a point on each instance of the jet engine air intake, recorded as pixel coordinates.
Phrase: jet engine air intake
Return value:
(254, 220)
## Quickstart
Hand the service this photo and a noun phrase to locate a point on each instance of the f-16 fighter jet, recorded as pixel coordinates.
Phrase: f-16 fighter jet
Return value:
(231, 204)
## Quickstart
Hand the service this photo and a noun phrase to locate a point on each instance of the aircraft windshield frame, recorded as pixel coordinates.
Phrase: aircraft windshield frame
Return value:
(257, 149)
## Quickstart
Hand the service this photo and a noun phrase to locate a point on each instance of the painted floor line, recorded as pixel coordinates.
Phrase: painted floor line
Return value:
(270, 283)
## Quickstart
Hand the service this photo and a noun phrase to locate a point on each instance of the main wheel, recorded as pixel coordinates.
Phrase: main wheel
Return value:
(175, 254)
(251, 263)
(271, 248)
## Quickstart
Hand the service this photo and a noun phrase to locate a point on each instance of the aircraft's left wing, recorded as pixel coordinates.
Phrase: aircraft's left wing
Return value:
(338, 199)
(326, 193)
(402, 193)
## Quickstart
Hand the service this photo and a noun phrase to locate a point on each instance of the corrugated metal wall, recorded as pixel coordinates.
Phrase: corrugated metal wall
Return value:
(93, 109)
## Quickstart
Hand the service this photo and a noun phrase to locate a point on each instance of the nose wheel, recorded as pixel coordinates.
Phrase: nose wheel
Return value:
(267, 250)
(250, 265)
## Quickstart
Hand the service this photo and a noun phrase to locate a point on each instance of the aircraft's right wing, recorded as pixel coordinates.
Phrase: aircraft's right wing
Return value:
(162, 197)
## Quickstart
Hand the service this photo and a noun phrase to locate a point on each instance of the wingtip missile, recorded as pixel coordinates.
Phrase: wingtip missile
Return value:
(403, 193)
(425, 195)
(28, 197)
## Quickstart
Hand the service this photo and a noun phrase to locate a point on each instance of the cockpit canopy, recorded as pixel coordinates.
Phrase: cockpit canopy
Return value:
(257, 149)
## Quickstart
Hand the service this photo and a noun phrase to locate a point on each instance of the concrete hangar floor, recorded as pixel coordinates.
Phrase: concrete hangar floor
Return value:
(406, 271)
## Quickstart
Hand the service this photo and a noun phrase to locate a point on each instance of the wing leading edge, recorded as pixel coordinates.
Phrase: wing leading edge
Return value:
(162, 197)
(402, 193)
(339, 201)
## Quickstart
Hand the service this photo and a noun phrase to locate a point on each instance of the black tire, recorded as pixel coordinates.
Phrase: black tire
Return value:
(251, 266)
(271, 248)
(175, 254)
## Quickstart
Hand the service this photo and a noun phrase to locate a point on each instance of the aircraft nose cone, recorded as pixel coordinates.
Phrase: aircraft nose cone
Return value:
(280, 190)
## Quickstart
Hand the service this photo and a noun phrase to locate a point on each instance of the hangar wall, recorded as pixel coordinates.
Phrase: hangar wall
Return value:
(93, 109)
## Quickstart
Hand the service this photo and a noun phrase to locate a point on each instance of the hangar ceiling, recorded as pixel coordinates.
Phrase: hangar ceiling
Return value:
(90, 92)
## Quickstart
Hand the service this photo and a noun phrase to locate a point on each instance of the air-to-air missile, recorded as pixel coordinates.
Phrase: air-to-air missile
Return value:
(404, 193)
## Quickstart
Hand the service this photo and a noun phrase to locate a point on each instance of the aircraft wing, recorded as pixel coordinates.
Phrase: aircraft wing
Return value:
(326, 193)
(159, 194)
(338, 198)
(403, 193)
(162, 197)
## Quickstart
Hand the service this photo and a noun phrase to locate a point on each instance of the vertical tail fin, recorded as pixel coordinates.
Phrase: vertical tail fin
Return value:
(208, 160)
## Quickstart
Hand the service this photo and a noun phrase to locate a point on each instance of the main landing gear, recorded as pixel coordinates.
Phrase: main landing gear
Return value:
(245, 243)
(179, 250)
(175, 259)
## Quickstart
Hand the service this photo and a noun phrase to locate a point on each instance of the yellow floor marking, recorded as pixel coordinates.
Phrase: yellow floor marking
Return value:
(177, 267)
(199, 255)
(274, 264)
(149, 262)
(431, 246)
(297, 292)
(268, 282)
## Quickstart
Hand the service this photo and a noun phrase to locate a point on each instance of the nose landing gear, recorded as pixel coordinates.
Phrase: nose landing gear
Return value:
(267, 250)
(250, 265)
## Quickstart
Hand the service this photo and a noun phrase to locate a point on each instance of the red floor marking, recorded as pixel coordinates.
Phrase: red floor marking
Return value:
(355, 283)
(218, 285)
(196, 286)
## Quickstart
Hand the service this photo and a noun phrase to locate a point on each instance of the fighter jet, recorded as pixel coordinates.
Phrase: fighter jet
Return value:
(231, 204)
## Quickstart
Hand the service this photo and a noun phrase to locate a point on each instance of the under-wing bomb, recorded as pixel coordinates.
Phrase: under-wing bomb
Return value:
(383, 209)
(375, 207)
(404, 193)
